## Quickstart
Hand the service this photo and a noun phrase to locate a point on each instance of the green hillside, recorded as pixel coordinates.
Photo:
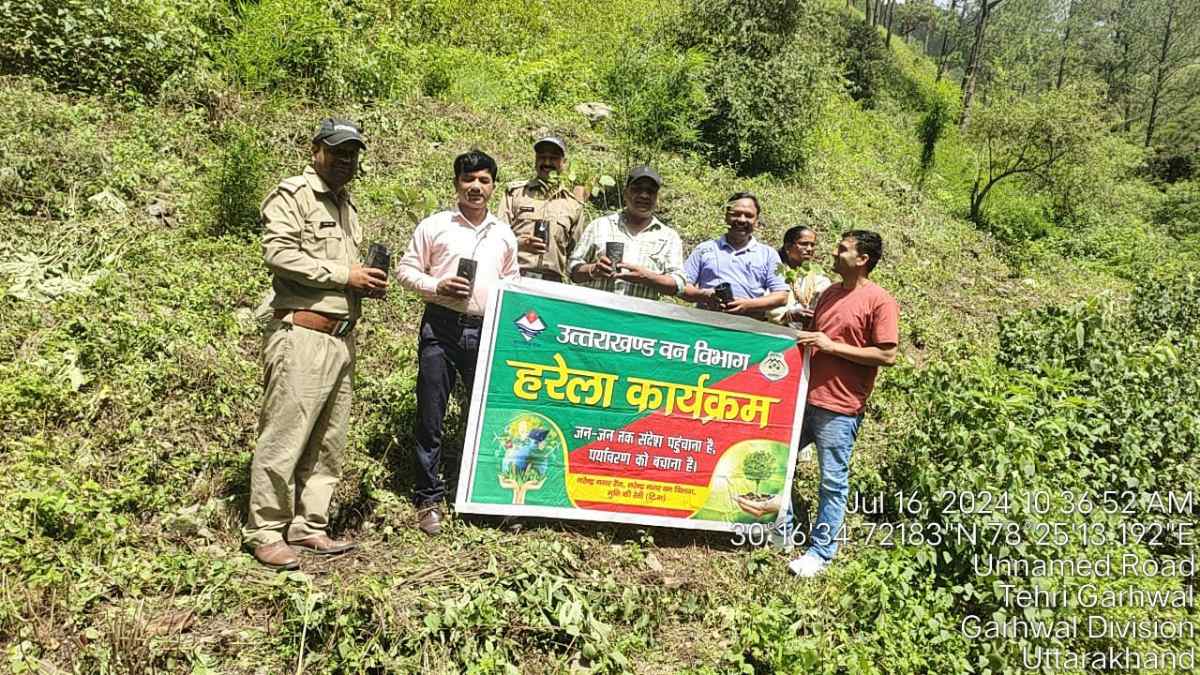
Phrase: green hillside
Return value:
(1046, 349)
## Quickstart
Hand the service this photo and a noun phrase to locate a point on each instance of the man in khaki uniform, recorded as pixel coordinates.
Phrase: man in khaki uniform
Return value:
(310, 243)
(528, 202)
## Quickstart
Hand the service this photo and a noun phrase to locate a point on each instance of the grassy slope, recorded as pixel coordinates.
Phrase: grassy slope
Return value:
(104, 563)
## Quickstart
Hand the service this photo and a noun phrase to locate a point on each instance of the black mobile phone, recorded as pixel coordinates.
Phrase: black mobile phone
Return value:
(466, 269)
(541, 230)
(724, 292)
(614, 251)
(379, 257)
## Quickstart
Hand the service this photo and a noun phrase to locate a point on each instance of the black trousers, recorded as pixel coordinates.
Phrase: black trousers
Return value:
(447, 349)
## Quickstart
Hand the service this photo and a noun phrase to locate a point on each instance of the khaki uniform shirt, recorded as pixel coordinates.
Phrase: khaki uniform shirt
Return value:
(558, 207)
(310, 240)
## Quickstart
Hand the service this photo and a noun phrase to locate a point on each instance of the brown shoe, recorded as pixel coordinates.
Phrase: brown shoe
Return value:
(321, 544)
(277, 555)
(429, 519)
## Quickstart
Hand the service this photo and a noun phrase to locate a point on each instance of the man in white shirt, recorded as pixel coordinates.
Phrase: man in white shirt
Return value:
(454, 304)
(651, 263)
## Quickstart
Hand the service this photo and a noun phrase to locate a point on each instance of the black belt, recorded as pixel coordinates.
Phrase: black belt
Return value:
(548, 275)
(446, 314)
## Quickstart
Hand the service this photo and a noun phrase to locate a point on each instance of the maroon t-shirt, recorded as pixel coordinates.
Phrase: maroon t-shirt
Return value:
(864, 317)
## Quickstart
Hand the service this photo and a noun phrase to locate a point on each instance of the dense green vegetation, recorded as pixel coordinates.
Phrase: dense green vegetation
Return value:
(1048, 330)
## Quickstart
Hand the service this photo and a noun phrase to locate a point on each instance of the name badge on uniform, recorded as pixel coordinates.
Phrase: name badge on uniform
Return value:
(326, 223)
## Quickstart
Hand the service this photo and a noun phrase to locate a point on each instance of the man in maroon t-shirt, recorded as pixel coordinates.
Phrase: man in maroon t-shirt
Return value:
(854, 332)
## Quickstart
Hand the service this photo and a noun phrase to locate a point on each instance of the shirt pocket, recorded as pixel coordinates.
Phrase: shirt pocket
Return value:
(656, 255)
(324, 238)
(560, 231)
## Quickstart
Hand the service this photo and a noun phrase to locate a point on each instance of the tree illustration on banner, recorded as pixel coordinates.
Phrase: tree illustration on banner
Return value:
(758, 466)
(527, 444)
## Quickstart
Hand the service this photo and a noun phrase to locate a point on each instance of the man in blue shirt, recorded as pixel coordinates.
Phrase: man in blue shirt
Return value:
(737, 258)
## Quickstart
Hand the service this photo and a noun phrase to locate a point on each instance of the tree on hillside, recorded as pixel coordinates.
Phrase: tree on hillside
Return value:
(1042, 40)
(1177, 145)
(1065, 42)
(1119, 57)
(1047, 139)
(1175, 34)
(951, 26)
(891, 15)
(1149, 52)
(865, 60)
(659, 100)
(916, 15)
(1024, 45)
(969, 74)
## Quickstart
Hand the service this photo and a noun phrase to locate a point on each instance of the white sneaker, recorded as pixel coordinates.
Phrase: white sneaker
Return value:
(808, 565)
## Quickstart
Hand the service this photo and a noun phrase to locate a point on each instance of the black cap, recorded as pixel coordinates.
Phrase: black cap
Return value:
(552, 140)
(335, 131)
(643, 171)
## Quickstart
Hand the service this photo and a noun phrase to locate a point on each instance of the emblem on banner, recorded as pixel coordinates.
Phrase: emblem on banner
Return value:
(774, 367)
(530, 325)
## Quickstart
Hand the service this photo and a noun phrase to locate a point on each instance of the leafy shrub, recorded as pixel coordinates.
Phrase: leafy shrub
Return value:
(1130, 392)
(773, 68)
(895, 612)
(51, 155)
(1074, 403)
(889, 610)
(103, 45)
(1014, 217)
(1053, 337)
(657, 96)
(1168, 305)
(865, 59)
(941, 103)
(30, 396)
(510, 27)
(374, 67)
(468, 76)
(1179, 209)
(558, 75)
(237, 187)
(287, 45)
(768, 639)
(437, 78)
(1172, 165)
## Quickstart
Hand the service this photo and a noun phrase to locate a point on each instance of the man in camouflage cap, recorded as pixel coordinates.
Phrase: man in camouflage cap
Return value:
(310, 243)
(542, 199)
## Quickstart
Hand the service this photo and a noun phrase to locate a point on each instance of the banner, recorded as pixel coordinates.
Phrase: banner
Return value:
(593, 406)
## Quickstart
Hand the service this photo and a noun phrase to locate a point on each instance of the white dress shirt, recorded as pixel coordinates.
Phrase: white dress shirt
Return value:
(444, 238)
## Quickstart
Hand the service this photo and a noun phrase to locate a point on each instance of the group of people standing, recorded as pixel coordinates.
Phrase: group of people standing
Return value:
(311, 245)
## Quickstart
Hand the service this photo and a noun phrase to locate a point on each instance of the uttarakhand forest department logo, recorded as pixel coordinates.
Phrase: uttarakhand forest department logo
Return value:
(530, 325)
(774, 367)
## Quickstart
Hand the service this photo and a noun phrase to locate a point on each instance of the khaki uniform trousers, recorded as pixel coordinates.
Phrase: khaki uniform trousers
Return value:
(301, 432)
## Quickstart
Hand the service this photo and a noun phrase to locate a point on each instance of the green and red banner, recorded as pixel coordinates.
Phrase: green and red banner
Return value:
(594, 406)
